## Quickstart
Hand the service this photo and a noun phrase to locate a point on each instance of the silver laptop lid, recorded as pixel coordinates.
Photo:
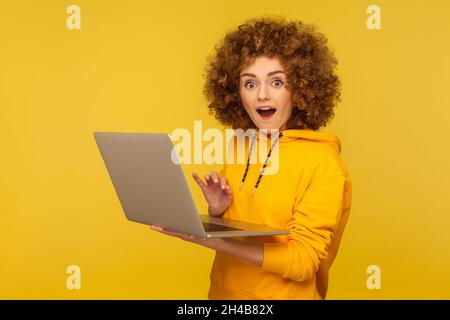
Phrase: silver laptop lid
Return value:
(151, 187)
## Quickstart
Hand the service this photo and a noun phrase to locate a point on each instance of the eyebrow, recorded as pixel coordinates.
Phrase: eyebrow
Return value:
(254, 76)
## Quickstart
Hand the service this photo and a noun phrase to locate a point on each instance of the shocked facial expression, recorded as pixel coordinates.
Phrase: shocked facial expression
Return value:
(263, 93)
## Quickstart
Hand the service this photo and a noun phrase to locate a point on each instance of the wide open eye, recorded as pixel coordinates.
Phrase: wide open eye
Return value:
(250, 85)
(278, 83)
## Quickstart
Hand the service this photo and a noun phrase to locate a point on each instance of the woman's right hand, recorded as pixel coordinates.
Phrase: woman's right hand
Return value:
(217, 192)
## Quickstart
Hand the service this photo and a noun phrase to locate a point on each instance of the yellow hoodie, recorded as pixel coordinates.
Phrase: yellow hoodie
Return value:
(310, 196)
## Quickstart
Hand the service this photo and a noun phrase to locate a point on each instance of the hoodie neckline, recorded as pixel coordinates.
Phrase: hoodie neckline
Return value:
(318, 136)
(290, 135)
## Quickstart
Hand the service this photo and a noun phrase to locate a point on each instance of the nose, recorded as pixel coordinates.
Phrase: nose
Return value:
(263, 93)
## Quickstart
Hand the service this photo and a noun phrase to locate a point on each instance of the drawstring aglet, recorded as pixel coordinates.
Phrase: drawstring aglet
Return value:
(240, 187)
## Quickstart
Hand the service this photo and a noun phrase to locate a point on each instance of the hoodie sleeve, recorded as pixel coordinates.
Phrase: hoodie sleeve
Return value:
(315, 218)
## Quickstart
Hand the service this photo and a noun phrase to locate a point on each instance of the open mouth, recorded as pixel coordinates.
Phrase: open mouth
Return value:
(266, 112)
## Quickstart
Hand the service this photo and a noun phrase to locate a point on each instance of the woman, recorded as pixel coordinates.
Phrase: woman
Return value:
(273, 74)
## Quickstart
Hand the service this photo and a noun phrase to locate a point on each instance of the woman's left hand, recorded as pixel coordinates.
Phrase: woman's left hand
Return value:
(210, 243)
(252, 252)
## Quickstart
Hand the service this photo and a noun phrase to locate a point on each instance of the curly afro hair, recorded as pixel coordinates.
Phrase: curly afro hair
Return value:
(308, 62)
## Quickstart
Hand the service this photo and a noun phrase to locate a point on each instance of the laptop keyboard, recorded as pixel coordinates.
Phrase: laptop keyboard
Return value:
(209, 227)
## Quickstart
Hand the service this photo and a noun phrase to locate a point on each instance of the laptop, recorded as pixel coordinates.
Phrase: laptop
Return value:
(153, 190)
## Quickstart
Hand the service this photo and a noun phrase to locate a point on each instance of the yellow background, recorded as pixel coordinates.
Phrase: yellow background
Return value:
(137, 66)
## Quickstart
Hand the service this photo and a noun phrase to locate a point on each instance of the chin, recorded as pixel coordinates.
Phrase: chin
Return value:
(267, 124)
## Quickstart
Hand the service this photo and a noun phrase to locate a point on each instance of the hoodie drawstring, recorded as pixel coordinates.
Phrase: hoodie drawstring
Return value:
(264, 166)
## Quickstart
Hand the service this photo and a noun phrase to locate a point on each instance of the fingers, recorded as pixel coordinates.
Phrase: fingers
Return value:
(208, 180)
(199, 180)
(212, 179)
(172, 233)
(157, 228)
(215, 176)
(223, 183)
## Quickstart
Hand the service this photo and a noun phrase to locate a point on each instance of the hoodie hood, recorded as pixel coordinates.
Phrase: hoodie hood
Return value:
(287, 136)
(329, 138)
(324, 137)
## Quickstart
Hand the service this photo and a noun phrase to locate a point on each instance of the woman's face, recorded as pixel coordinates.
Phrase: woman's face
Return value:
(263, 93)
